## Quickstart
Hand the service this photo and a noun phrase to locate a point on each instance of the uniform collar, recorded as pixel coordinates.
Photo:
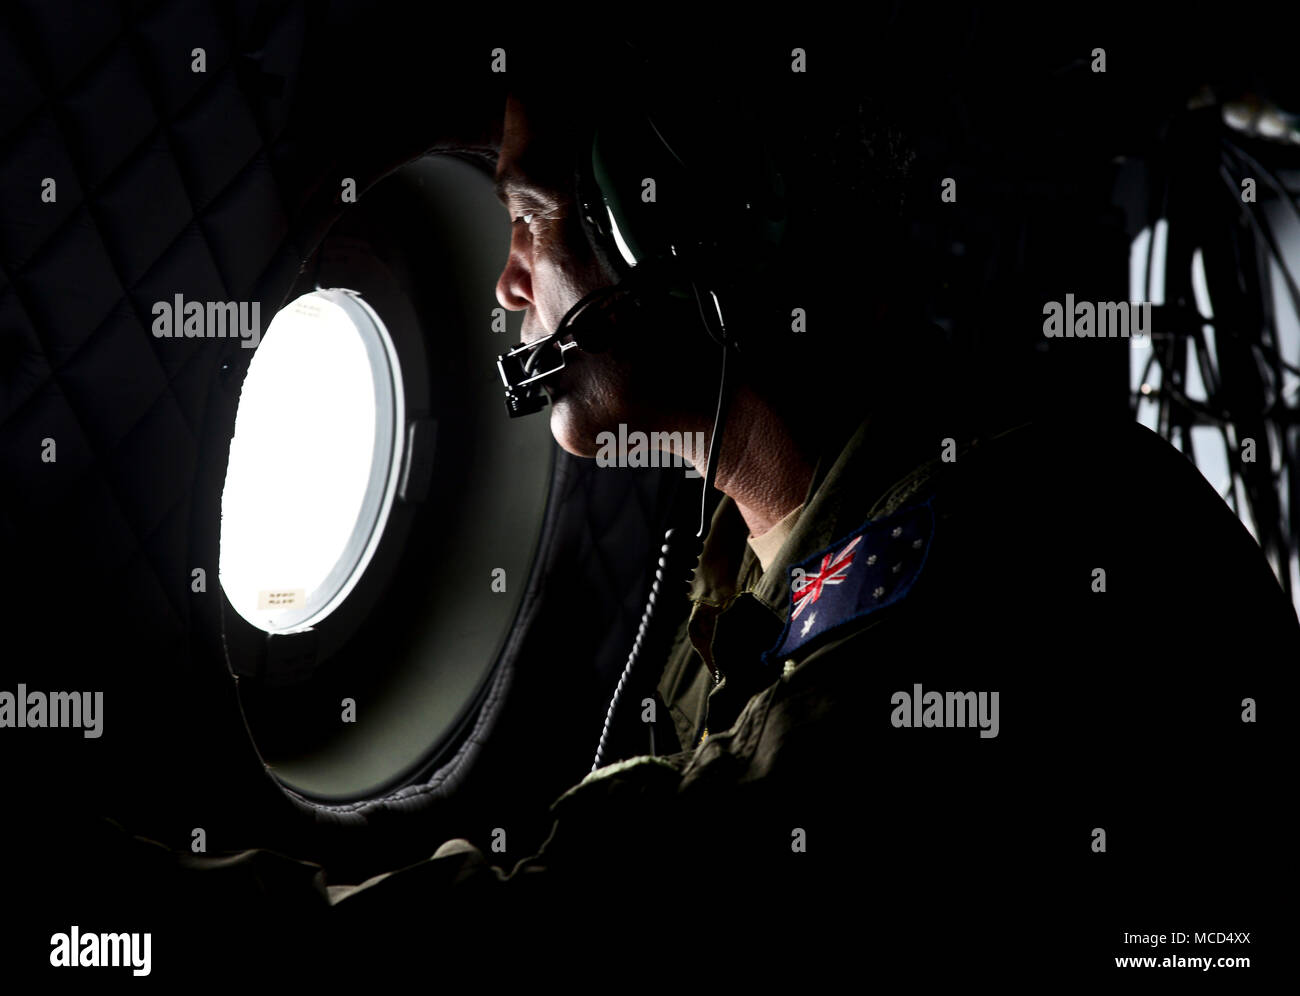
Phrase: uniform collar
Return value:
(849, 478)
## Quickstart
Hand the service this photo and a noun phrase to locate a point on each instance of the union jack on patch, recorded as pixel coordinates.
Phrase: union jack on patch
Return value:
(870, 570)
(834, 569)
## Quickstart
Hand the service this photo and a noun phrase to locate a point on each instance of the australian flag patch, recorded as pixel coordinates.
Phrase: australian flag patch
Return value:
(855, 576)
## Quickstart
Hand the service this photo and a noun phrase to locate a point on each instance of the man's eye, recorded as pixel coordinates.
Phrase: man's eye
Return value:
(527, 219)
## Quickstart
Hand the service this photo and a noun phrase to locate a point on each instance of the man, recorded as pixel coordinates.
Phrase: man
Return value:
(930, 649)
(919, 646)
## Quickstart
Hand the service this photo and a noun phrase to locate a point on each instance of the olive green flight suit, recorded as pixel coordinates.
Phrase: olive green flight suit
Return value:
(735, 602)
(1087, 574)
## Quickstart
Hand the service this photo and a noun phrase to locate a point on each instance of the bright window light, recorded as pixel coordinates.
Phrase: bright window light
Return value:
(1146, 258)
(313, 462)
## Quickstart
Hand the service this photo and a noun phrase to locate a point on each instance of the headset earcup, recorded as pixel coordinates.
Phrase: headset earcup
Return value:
(595, 224)
(713, 203)
(695, 197)
(642, 199)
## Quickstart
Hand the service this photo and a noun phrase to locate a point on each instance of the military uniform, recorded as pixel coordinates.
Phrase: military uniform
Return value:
(1085, 574)
(738, 609)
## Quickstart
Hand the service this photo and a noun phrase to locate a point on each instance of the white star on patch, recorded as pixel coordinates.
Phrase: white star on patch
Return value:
(808, 624)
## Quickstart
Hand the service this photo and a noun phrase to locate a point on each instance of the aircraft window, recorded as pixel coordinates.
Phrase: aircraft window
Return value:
(387, 493)
(1209, 436)
(313, 462)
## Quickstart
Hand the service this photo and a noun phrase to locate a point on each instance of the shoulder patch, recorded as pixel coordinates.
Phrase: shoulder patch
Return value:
(853, 577)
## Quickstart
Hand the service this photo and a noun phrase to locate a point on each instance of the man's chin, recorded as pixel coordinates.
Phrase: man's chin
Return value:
(569, 430)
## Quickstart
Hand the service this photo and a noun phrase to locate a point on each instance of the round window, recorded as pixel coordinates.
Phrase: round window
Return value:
(314, 461)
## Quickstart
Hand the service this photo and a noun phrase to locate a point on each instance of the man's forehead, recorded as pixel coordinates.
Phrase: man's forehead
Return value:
(535, 155)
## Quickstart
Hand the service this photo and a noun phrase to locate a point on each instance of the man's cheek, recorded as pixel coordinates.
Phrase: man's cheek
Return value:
(570, 276)
(556, 294)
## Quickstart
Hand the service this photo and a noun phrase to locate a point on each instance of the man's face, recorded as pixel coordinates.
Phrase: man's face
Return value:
(549, 269)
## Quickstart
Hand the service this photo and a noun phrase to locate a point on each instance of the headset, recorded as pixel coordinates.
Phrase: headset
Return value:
(682, 202)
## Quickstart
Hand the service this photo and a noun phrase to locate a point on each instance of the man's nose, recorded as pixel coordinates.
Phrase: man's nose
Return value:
(515, 286)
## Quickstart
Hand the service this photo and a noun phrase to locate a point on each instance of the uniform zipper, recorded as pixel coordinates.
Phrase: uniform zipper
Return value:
(717, 680)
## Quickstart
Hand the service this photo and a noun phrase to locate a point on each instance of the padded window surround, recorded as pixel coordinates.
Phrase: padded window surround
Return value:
(217, 186)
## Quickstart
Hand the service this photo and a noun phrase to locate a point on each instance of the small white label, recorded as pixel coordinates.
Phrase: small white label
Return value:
(281, 598)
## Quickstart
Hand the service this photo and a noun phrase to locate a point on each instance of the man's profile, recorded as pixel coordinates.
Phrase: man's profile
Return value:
(886, 572)
(932, 620)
